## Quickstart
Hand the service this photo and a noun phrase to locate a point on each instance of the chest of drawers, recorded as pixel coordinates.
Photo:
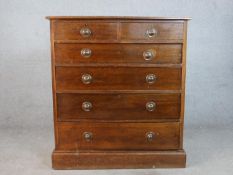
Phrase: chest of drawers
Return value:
(118, 92)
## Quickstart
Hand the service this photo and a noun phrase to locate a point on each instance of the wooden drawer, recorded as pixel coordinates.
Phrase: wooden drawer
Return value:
(119, 78)
(72, 30)
(118, 106)
(118, 136)
(118, 53)
(152, 31)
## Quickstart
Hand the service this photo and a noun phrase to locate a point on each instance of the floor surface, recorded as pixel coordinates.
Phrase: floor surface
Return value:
(27, 152)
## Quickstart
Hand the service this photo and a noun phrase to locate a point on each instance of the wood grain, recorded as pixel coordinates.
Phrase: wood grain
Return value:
(125, 106)
(183, 85)
(166, 31)
(119, 159)
(105, 78)
(118, 136)
(118, 53)
(53, 83)
(70, 30)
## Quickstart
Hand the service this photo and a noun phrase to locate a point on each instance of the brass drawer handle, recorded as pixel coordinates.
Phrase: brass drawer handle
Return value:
(85, 32)
(148, 55)
(151, 78)
(86, 106)
(88, 136)
(151, 33)
(86, 78)
(86, 52)
(150, 136)
(150, 106)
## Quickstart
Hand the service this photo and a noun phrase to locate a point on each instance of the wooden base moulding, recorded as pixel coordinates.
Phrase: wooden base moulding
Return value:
(119, 159)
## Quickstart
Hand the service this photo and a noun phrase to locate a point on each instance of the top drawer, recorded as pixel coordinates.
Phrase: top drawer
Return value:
(119, 32)
(86, 31)
(150, 32)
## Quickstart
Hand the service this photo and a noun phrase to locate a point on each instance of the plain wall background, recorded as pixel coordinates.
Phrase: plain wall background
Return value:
(25, 75)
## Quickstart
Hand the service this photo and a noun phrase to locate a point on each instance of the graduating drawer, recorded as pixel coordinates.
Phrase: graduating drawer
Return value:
(74, 106)
(118, 53)
(118, 136)
(85, 31)
(152, 32)
(117, 78)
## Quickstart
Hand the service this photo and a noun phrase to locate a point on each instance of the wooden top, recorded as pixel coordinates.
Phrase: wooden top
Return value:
(115, 17)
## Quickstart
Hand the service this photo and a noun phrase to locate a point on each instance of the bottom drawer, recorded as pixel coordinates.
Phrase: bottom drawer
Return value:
(118, 136)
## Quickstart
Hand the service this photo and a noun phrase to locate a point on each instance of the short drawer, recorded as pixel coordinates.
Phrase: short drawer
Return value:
(118, 53)
(118, 136)
(152, 31)
(72, 106)
(85, 31)
(117, 78)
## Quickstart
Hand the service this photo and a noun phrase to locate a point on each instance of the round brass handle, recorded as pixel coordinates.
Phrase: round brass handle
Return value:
(148, 55)
(150, 78)
(86, 52)
(85, 32)
(150, 106)
(86, 106)
(88, 136)
(151, 32)
(150, 136)
(86, 78)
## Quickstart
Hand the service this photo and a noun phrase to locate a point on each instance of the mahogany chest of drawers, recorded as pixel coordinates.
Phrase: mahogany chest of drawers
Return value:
(118, 92)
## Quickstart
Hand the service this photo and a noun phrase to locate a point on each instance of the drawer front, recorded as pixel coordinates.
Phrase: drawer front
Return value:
(118, 136)
(118, 106)
(119, 78)
(152, 32)
(85, 31)
(118, 53)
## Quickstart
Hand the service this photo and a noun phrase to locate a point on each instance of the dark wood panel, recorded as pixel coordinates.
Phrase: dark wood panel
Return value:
(118, 53)
(183, 85)
(118, 136)
(118, 106)
(70, 30)
(164, 31)
(119, 159)
(53, 82)
(107, 78)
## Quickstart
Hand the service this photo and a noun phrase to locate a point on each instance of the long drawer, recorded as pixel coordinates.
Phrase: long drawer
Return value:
(118, 53)
(118, 136)
(74, 106)
(119, 78)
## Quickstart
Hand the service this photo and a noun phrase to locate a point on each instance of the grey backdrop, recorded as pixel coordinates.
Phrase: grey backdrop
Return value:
(25, 79)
